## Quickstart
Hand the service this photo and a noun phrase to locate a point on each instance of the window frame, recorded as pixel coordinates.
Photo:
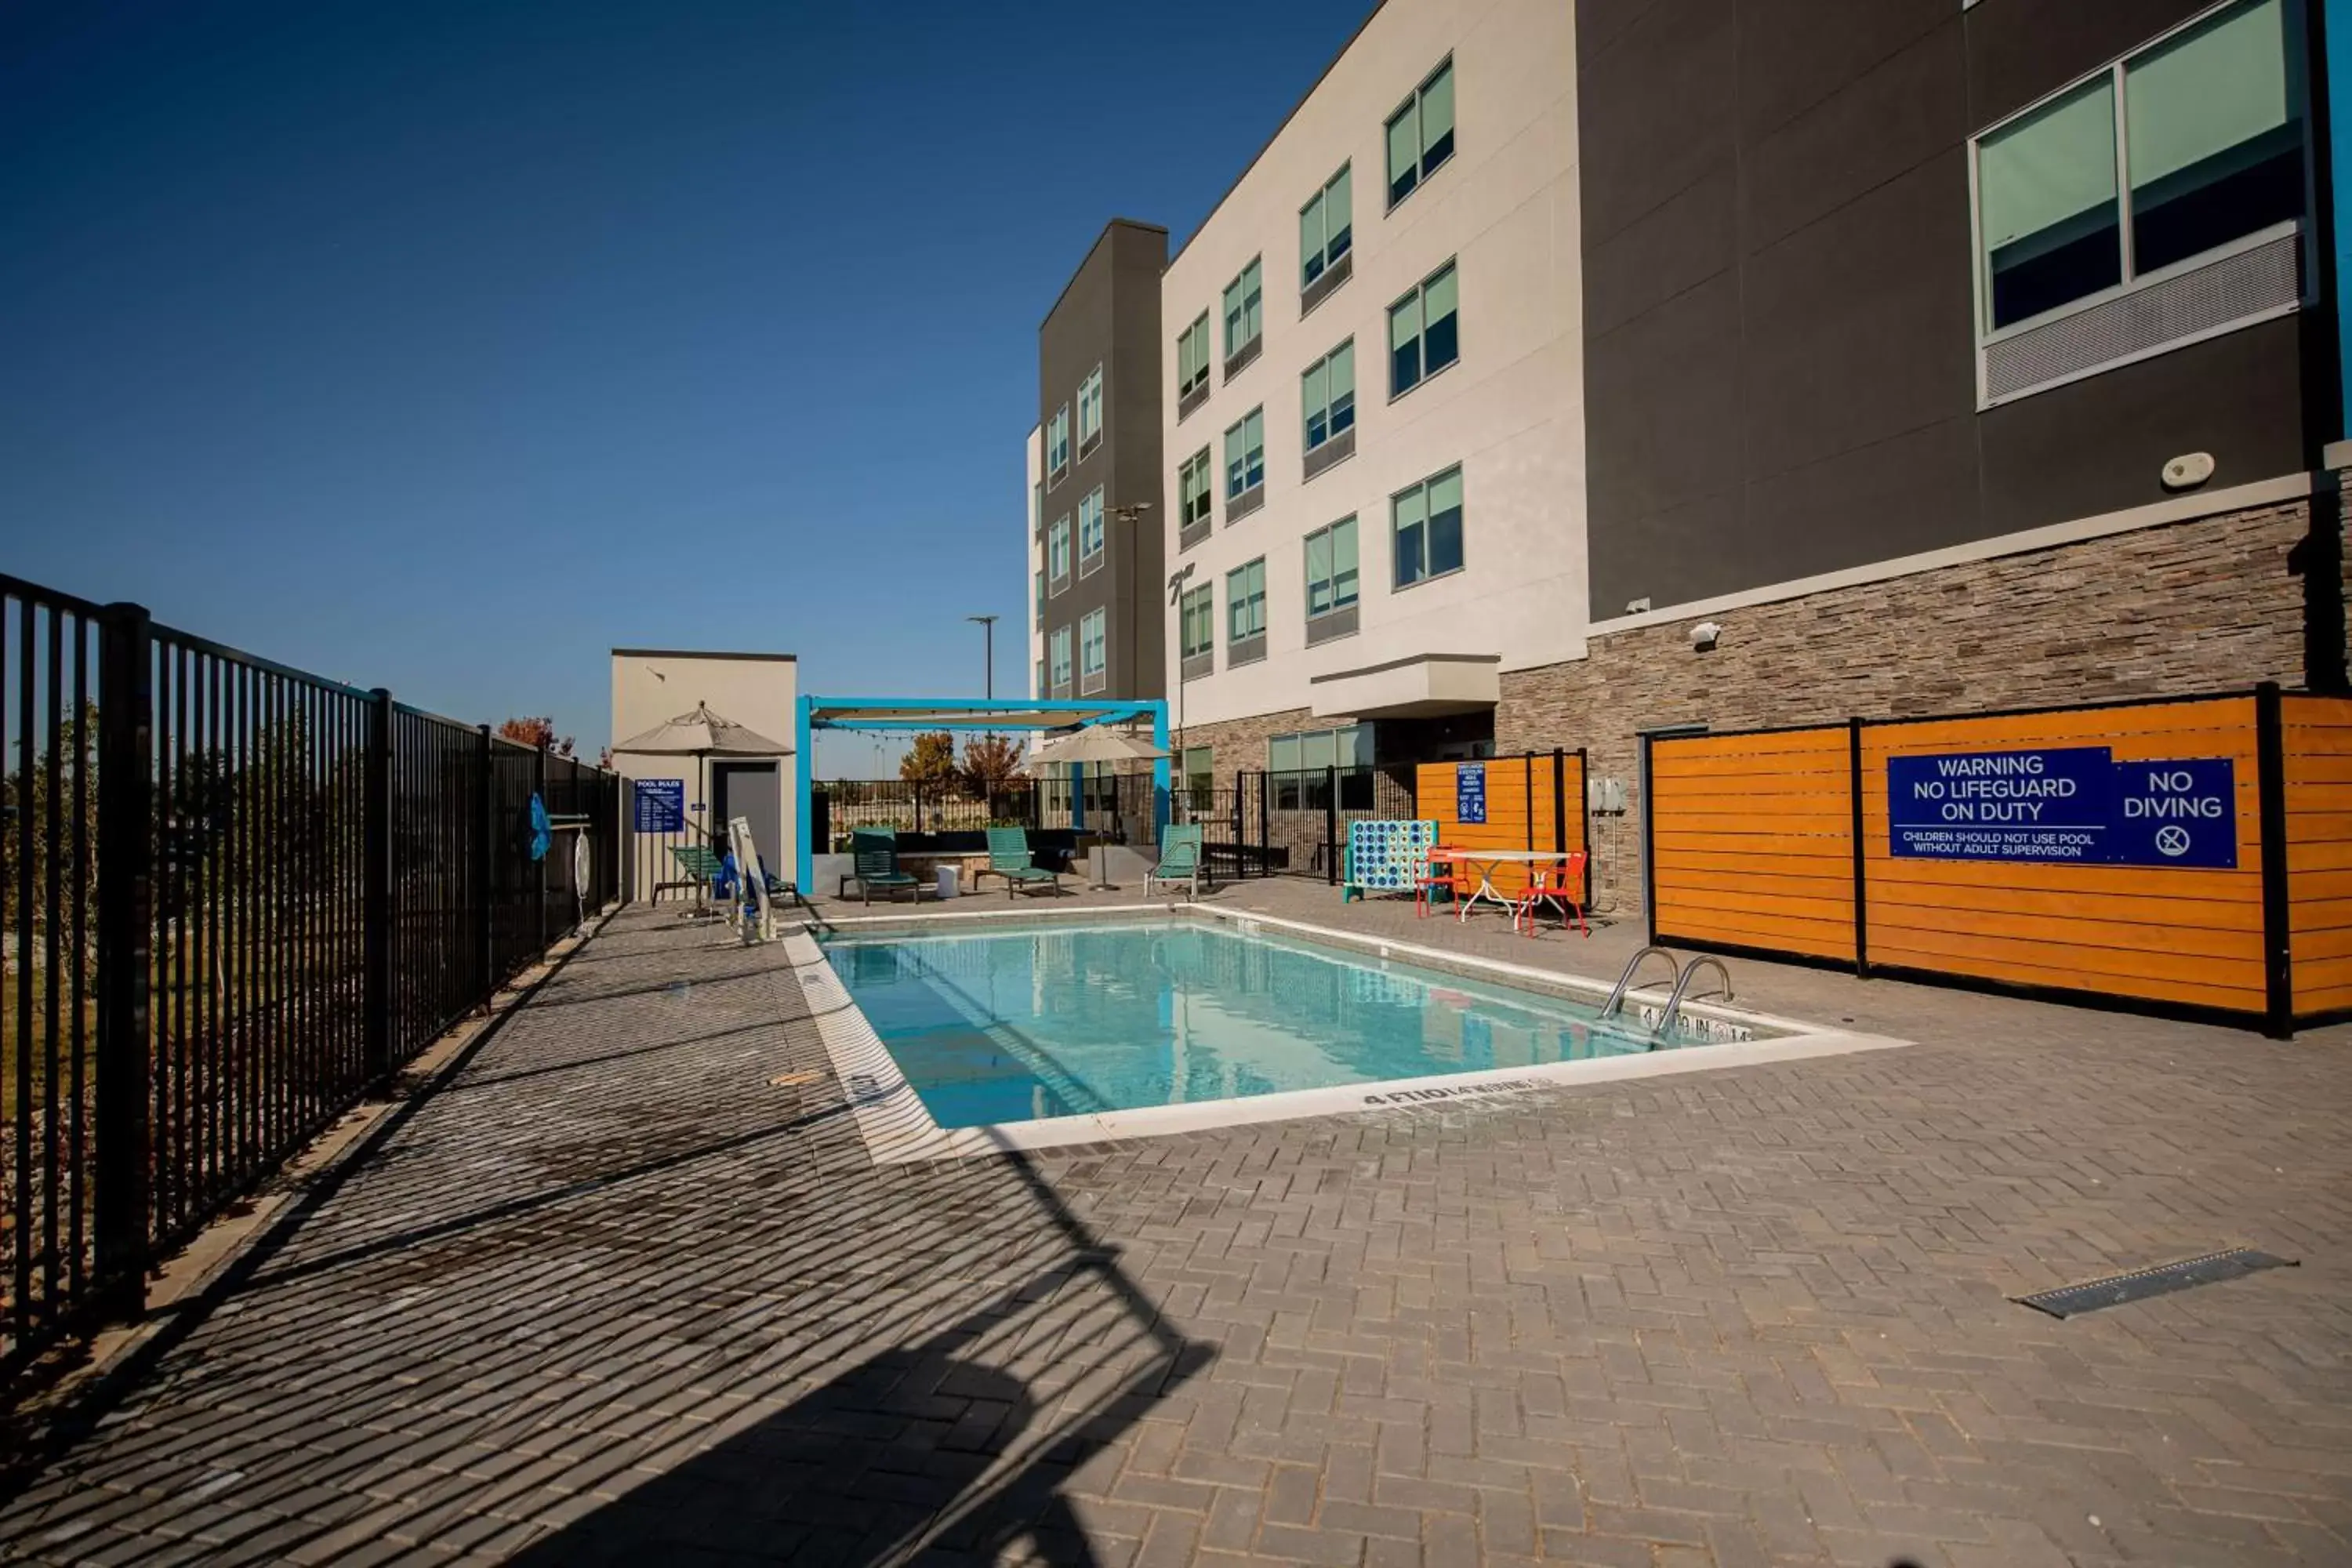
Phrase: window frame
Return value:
(1252, 309)
(1205, 460)
(1305, 414)
(1330, 531)
(1206, 595)
(1057, 555)
(2115, 71)
(1254, 597)
(1091, 561)
(1257, 467)
(1059, 658)
(1423, 485)
(1326, 257)
(1090, 392)
(1057, 439)
(1418, 297)
(1201, 326)
(1094, 645)
(1424, 170)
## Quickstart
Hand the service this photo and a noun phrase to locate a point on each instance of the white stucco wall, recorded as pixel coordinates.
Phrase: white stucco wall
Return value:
(1036, 640)
(760, 691)
(1510, 411)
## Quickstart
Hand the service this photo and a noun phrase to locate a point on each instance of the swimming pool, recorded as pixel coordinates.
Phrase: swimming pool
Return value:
(1007, 1022)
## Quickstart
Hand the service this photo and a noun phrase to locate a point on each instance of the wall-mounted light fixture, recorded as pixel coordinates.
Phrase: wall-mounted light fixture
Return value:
(1703, 636)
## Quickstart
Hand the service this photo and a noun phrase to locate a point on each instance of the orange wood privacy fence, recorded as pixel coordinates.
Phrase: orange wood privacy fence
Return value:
(1533, 802)
(2220, 887)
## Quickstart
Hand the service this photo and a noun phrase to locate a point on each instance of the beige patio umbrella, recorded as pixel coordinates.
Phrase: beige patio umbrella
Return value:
(1091, 744)
(702, 736)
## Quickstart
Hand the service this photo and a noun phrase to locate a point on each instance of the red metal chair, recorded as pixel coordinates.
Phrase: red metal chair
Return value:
(1559, 884)
(1451, 875)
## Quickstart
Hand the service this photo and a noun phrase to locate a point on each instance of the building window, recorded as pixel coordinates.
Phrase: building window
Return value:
(1091, 412)
(1245, 313)
(1246, 602)
(1040, 598)
(1197, 626)
(1324, 229)
(1194, 489)
(1424, 331)
(1090, 531)
(1299, 766)
(1426, 523)
(1061, 658)
(1057, 551)
(2211, 153)
(1057, 444)
(1094, 649)
(1421, 134)
(1326, 395)
(1039, 689)
(1246, 456)
(1193, 357)
(1331, 568)
(1200, 772)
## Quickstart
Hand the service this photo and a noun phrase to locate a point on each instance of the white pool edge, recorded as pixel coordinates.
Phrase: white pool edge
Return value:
(899, 1129)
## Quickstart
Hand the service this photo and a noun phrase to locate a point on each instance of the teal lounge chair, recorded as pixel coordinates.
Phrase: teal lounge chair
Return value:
(1179, 858)
(874, 851)
(1010, 857)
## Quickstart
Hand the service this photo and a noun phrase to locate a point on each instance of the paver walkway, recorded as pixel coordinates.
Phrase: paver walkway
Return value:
(626, 1290)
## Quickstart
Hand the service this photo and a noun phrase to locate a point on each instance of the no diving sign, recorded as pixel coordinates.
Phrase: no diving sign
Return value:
(2064, 803)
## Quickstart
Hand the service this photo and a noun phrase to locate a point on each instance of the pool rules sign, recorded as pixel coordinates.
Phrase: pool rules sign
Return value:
(2066, 803)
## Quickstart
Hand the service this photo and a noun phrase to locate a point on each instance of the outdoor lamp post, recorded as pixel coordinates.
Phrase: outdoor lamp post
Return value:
(988, 654)
(1176, 580)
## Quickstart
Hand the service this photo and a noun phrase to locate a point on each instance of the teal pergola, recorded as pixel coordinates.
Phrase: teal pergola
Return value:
(957, 713)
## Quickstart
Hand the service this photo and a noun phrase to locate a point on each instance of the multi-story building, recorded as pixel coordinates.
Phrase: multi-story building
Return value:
(1374, 425)
(1095, 474)
(1034, 536)
(1558, 373)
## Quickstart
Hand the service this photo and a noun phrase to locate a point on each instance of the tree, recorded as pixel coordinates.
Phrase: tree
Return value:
(932, 764)
(537, 731)
(990, 764)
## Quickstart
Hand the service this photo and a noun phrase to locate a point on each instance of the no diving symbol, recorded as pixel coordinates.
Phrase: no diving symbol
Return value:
(2172, 840)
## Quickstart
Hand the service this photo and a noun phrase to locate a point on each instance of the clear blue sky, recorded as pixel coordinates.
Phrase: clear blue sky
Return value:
(443, 345)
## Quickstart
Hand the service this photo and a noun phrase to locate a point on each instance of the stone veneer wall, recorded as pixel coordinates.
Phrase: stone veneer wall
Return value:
(2207, 604)
(2203, 605)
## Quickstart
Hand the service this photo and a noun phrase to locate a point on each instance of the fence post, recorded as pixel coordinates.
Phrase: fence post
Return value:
(919, 807)
(1648, 843)
(1266, 821)
(1861, 855)
(538, 791)
(1331, 824)
(376, 889)
(2278, 940)
(485, 880)
(123, 1175)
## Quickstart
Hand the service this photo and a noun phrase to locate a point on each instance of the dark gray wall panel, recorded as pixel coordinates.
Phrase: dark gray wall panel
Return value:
(1795, 53)
(2098, 445)
(1667, 431)
(1654, 112)
(1675, 247)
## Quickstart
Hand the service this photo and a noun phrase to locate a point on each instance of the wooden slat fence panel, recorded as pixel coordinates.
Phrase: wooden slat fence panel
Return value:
(1520, 798)
(2318, 745)
(1752, 841)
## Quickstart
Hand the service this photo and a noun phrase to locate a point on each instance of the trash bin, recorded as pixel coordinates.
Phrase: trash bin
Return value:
(948, 881)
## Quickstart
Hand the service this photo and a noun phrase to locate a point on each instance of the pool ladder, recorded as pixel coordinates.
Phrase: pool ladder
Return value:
(1683, 974)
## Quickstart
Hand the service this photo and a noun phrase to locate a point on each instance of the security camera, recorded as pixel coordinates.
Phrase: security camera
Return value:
(1704, 635)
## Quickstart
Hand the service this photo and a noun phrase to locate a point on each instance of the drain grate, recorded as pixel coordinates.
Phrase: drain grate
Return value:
(2141, 1283)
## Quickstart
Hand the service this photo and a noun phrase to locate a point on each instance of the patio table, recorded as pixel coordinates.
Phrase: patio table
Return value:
(1484, 862)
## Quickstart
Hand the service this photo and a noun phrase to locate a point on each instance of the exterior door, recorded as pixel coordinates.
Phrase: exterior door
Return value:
(749, 790)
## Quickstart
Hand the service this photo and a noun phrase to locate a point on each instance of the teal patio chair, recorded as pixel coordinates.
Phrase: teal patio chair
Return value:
(1179, 858)
(1010, 857)
(874, 854)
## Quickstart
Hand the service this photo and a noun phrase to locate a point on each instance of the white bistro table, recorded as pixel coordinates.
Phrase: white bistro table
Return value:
(1484, 861)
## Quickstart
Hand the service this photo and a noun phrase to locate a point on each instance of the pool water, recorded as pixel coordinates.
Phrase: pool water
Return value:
(1014, 1024)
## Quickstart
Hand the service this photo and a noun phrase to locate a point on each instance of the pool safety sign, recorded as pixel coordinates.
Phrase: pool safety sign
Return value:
(1470, 792)
(661, 805)
(2064, 803)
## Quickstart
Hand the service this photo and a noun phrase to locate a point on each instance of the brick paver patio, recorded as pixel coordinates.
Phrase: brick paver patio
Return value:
(626, 1290)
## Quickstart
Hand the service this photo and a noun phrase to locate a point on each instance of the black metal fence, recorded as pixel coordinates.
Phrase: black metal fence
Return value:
(1291, 823)
(1119, 804)
(236, 896)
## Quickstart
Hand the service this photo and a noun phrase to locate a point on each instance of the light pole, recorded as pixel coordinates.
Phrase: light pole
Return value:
(1176, 580)
(988, 654)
